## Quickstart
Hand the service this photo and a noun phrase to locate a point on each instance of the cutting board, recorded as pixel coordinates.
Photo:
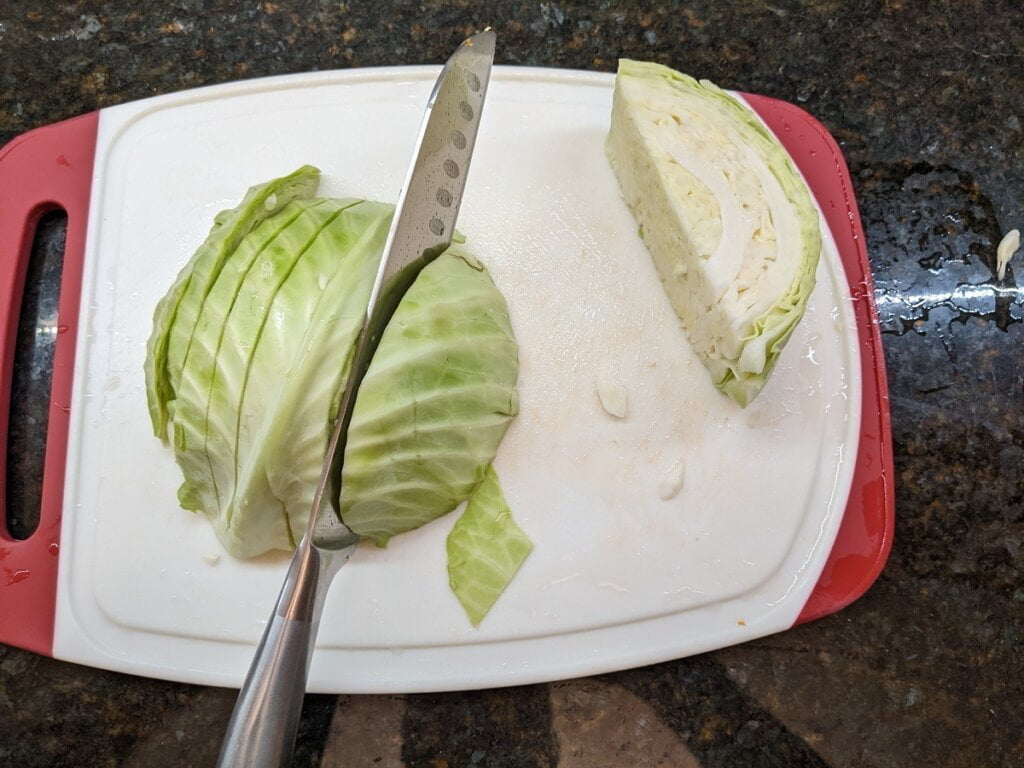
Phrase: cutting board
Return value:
(786, 508)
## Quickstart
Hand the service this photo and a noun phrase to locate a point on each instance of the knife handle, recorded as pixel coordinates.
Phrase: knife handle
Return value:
(261, 732)
(46, 169)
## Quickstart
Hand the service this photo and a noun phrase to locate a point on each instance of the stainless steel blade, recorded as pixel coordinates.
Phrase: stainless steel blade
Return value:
(421, 229)
(263, 725)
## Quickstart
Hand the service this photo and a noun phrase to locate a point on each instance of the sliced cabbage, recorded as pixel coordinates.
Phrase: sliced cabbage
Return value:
(176, 313)
(271, 350)
(485, 549)
(435, 403)
(725, 214)
(266, 317)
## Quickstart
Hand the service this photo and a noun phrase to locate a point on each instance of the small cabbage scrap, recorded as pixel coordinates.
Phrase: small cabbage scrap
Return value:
(613, 395)
(252, 346)
(1005, 250)
(725, 214)
(485, 549)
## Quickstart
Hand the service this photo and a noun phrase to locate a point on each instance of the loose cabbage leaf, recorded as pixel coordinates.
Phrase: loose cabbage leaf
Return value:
(725, 214)
(485, 549)
(435, 402)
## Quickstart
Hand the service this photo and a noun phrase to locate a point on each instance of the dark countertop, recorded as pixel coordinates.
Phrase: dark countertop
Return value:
(928, 667)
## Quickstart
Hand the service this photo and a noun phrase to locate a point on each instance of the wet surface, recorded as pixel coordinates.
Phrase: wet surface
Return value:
(933, 250)
(928, 667)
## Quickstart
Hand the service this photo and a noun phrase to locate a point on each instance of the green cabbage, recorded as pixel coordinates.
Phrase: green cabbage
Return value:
(485, 549)
(258, 392)
(435, 402)
(175, 316)
(265, 319)
(727, 218)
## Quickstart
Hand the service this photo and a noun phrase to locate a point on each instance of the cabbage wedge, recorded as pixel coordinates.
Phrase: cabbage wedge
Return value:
(726, 216)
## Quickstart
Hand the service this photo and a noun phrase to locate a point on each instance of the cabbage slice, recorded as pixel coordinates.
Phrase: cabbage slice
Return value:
(725, 214)
(435, 402)
(259, 391)
(485, 549)
(176, 313)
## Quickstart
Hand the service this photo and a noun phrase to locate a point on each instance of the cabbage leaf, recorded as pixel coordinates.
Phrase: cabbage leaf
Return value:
(435, 402)
(485, 549)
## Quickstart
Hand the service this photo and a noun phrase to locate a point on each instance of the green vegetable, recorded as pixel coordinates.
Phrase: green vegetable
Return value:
(485, 549)
(435, 402)
(256, 399)
(727, 218)
(267, 335)
(175, 316)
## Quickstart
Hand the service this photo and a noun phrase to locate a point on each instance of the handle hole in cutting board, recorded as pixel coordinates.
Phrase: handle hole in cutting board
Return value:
(33, 373)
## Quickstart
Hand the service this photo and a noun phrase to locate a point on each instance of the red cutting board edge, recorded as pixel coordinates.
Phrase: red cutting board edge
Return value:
(51, 168)
(864, 539)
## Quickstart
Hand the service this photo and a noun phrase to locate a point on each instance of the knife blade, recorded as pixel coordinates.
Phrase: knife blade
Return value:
(421, 229)
(261, 732)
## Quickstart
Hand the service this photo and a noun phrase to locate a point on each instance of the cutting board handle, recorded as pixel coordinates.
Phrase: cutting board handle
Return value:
(43, 170)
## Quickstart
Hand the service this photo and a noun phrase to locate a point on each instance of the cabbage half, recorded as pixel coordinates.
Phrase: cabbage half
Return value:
(726, 216)
(265, 319)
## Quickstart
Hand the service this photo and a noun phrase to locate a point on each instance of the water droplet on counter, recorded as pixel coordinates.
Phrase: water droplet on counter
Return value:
(14, 577)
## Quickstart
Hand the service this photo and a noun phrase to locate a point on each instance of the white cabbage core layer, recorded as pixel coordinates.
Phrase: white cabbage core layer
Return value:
(724, 236)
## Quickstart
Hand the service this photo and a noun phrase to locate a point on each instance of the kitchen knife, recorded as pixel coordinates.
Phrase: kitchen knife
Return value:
(261, 732)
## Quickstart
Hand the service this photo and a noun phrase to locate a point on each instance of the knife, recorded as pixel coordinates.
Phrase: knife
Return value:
(261, 732)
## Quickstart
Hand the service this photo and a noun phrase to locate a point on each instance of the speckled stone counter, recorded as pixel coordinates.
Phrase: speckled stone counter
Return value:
(928, 667)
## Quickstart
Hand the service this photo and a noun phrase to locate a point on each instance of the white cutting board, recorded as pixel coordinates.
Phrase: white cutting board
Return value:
(618, 577)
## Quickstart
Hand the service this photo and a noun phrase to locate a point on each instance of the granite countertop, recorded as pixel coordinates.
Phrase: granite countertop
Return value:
(928, 667)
